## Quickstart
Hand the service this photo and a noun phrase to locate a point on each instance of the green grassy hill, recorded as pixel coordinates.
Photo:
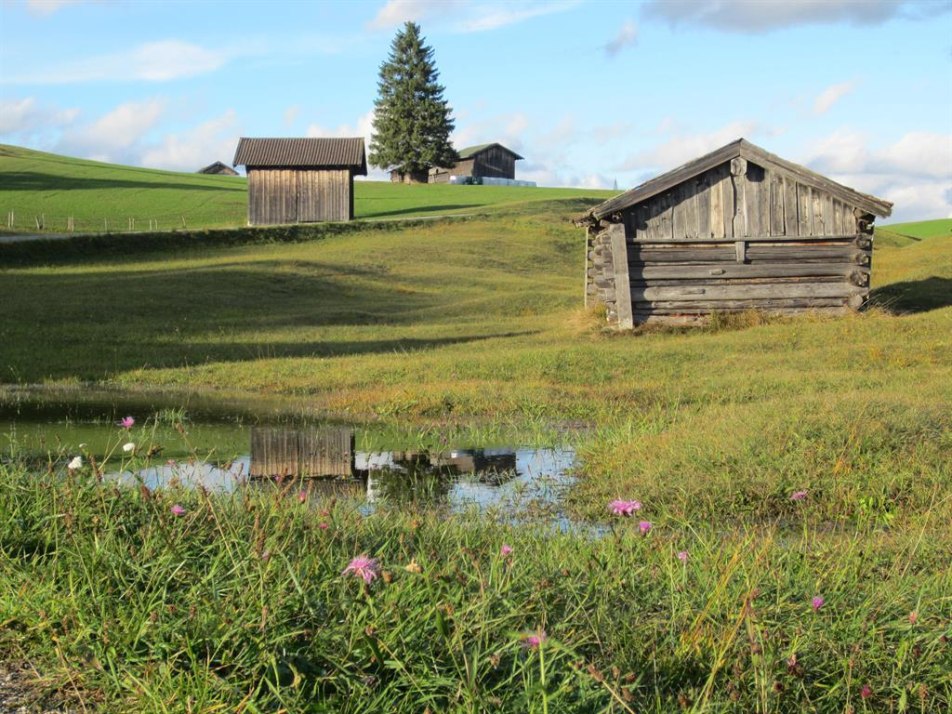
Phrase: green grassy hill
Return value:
(44, 192)
(901, 234)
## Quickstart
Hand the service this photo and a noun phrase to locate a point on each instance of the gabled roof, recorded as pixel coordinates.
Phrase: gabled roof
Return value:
(743, 149)
(218, 168)
(302, 153)
(470, 151)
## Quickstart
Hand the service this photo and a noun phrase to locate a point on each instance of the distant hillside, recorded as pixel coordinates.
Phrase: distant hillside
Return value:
(41, 192)
(902, 234)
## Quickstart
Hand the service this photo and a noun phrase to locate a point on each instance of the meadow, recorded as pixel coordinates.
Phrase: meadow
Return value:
(49, 193)
(794, 474)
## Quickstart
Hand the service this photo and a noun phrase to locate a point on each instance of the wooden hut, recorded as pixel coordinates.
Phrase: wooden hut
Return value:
(734, 230)
(483, 161)
(218, 169)
(301, 180)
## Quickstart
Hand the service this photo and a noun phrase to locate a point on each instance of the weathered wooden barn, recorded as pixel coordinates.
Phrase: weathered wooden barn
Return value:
(734, 230)
(218, 169)
(483, 161)
(301, 180)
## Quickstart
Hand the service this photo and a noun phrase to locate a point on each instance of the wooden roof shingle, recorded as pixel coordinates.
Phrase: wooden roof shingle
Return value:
(303, 153)
(751, 152)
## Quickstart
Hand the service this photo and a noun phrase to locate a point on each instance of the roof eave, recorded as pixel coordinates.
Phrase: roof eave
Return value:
(744, 149)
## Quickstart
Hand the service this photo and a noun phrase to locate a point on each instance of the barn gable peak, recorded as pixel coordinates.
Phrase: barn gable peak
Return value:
(740, 148)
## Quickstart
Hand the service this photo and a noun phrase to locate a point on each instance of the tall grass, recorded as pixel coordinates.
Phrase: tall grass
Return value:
(242, 602)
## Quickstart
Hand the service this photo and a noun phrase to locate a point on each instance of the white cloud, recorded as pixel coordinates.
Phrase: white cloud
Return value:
(830, 96)
(627, 37)
(24, 117)
(765, 15)
(291, 115)
(681, 147)
(914, 172)
(465, 16)
(210, 141)
(115, 135)
(363, 126)
(507, 129)
(150, 62)
(44, 8)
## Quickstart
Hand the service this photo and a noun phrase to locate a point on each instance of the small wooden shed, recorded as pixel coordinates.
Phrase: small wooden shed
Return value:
(218, 169)
(483, 161)
(734, 230)
(301, 180)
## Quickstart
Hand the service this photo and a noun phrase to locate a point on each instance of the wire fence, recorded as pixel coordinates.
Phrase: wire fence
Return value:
(25, 222)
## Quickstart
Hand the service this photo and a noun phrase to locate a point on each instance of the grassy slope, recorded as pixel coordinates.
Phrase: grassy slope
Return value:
(900, 234)
(105, 196)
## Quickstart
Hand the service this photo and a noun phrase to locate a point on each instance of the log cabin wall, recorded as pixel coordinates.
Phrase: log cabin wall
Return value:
(281, 195)
(736, 237)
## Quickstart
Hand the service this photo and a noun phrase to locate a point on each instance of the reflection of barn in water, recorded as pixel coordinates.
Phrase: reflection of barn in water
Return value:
(414, 476)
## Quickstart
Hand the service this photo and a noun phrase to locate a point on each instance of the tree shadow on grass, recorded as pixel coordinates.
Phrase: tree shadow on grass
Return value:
(913, 296)
(436, 210)
(35, 181)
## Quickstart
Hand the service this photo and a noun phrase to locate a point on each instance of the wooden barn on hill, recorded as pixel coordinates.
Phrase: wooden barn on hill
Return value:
(734, 230)
(483, 161)
(218, 169)
(301, 180)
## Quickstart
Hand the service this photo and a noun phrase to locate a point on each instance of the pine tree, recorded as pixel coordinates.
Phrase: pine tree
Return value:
(412, 121)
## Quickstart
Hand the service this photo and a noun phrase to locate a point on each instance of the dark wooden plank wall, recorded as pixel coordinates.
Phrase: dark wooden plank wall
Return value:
(754, 239)
(314, 452)
(299, 195)
(495, 163)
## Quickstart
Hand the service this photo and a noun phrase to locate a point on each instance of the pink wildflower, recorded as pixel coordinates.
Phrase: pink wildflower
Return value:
(177, 510)
(798, 495)
(644, 527)
(302, 496)
(506, 550)
(624, 508)
(323, 526)
(817, 603)
(683, 556)
(866, 692)
(363, 567)
(534, 640)
(913, 617)
(127, 422)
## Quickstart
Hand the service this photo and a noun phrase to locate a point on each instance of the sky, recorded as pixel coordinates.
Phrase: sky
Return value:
(593, 93)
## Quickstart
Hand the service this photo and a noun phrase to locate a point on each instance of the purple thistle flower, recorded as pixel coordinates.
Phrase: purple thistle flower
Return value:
(619, 507)
(534, 640)
(683, 556)
(506, 550)
(127, 422)
(177, 510)
(817, 603)
(644, 527)
(363, 567)
(798, 495)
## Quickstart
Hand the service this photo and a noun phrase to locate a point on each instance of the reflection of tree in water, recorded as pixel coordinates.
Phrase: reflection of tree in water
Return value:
(422, 477)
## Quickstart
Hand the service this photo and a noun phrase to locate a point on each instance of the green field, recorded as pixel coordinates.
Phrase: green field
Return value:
(900, 234)
(43, 192)
(473, 330)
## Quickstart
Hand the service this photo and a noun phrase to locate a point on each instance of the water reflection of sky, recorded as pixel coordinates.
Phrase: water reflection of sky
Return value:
(539, 476)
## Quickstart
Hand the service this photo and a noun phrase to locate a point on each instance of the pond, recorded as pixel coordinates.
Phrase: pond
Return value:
(170, 448)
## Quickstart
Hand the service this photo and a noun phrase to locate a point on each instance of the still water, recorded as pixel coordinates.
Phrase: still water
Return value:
(171, 451)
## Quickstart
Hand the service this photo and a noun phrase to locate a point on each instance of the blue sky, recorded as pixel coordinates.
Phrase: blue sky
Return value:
(591, 92)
